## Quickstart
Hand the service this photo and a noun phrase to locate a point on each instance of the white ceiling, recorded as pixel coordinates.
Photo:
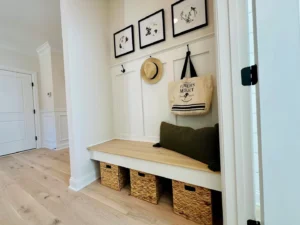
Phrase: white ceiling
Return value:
(27, 24)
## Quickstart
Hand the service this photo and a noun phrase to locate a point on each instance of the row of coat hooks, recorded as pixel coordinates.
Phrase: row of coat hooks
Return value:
(123, 69)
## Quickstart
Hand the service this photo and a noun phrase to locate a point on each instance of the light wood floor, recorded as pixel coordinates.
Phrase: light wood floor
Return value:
(34, 191)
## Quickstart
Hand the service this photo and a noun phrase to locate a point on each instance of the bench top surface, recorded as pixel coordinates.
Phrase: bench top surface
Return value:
(145, 151)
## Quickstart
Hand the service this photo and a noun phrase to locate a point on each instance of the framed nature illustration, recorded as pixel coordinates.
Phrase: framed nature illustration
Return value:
(124, 41)
(152, 29)
(188, 15)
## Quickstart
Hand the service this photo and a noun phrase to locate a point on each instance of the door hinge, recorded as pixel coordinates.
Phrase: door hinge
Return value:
(32, 84)
(34, 111)
(249, 75)
(253, 222)
(36, 138)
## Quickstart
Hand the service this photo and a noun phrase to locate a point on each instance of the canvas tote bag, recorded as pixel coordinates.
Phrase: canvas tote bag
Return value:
(191, 96)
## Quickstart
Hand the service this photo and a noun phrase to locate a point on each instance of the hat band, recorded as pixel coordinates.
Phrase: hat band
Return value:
(156, 72)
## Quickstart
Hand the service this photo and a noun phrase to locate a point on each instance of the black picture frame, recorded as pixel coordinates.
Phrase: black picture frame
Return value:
(162, 11)
(132, 38)
(192, 29)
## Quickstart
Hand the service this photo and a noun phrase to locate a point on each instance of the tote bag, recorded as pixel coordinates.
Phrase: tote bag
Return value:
(191, 96)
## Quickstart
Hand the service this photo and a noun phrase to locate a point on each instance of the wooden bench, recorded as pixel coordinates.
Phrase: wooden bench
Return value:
(157, 161)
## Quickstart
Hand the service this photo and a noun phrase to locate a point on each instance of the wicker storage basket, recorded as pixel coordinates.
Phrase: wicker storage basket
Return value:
(192, 202)
(145, 186)
(113, 176)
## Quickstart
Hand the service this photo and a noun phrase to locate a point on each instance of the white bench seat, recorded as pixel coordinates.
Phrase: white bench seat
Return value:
(158, 161)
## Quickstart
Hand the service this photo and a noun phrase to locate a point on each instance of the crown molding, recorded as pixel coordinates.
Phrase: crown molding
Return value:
(43, 48)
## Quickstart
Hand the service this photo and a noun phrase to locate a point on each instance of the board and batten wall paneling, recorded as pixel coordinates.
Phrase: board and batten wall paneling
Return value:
(54, 130)
(62, 134)
(139, 108)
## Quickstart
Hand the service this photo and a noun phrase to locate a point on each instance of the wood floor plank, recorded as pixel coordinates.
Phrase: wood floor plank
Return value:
(45, 160)
(50, 171)
(42, 177)
(87, 209)
(161, 214)
(8, 215)
(23, 203)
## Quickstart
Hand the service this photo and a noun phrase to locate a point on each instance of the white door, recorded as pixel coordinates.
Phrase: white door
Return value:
(17, 125)
(278, 59)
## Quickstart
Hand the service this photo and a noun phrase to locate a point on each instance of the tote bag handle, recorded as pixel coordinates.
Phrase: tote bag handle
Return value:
(192, 68)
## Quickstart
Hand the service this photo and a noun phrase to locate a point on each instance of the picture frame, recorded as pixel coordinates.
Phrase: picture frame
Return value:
(188, 15)
(124, 41)
(152, 29)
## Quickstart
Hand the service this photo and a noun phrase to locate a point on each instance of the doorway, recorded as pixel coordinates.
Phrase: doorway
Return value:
(17, 113)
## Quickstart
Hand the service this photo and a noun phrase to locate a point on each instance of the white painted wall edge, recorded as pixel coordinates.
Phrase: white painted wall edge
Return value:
(200, 178)
(78, 184)
(166, 49)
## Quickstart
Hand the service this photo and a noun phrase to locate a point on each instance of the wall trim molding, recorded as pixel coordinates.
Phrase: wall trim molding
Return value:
(53, 111)
(62, 146)
(48, 144)
(210, 35)
(78, 184)
(43, 48)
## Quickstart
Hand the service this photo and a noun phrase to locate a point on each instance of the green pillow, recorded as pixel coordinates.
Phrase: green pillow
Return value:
(201, 144)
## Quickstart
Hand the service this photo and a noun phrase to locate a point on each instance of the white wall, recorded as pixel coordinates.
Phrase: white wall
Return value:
(278, 39)
(88, 85)
(139, 108)
(45, 79)
(13, 59)
(59, 90)
(126, 12)
(53, 108)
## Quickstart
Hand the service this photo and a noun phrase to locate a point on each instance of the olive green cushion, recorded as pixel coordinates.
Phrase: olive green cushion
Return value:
(201, 144)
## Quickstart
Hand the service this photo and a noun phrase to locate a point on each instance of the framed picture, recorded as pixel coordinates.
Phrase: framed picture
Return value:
(189, 15)
(124, 41)
(152, 29)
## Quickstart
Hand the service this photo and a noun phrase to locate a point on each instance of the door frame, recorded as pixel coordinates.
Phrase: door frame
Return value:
(35, 99)
(236, 190)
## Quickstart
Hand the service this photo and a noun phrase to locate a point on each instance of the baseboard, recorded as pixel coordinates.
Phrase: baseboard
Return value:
(48, 144)
(78, 184)
(61, 147)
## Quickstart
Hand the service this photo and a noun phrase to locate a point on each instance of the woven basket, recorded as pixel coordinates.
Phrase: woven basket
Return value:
(113, 176)
(192, 202)
(145, 186)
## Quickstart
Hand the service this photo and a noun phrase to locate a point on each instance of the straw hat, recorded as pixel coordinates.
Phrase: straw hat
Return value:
(152, 70)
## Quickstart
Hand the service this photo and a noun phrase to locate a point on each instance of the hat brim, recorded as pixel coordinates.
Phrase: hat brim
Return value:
(159, 74)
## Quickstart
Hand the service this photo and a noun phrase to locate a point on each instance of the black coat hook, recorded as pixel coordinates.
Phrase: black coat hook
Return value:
(123, 69)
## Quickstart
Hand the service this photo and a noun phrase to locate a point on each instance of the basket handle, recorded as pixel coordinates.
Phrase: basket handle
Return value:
(189, 188)
(141, 174)
(108, 166)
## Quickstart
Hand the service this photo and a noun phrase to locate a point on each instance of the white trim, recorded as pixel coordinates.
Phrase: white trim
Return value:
(52, 111)
(166, 49)
(37, 110)
(49, 144)
(226, 117)
(43, 48)
(35, 99)
(78, 184)
(62, 147)
(60, 110)
(195, 177)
